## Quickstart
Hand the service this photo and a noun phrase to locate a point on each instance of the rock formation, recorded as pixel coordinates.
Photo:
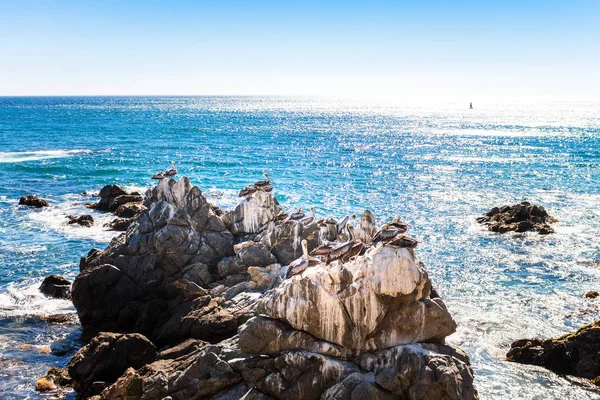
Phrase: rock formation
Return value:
(519, 218)
(207, 288)
(33, 201)
(112, 196)
(56, 286)
(83, 220)
(572, 354)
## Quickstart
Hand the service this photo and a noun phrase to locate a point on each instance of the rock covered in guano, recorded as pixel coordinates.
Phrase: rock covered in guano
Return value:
(208, 288)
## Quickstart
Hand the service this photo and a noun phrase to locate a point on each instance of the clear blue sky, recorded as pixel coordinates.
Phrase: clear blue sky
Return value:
(441, 48)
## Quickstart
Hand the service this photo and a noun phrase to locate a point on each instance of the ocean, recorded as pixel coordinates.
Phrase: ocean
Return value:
(436, 166)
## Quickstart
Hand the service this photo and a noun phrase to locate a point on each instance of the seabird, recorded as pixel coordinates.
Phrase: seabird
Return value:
(171, 171)
(299, 265)
(309, 220)
(159, 175)
(265, 186)
(343, 249)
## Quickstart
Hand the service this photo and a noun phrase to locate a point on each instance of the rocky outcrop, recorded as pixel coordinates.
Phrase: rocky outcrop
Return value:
(129, 210)
(119, 224)
(150, 280)
(83, 220)
(112, 196)
(520, 217)
(197, 284)
(573, 354)
(32, 200)
(105, 358)
(56, 286)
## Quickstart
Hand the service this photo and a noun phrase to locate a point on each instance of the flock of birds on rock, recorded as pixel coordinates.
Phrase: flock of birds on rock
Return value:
(160, 175)
(390, 234)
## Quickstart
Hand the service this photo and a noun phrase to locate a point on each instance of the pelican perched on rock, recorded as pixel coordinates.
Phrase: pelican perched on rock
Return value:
(299, 265)
(402, 241)
(390, 230)
(298, 215)
(265, 186)
(342, 224)
(172, 171)
(345, 250)
(160, 175)
(309, 220)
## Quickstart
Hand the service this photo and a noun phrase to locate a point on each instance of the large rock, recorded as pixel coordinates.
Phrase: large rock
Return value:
(106, 357)
(112, 196)
(33, 201)
(520, 217)
(150, 280)
(376, 301)
(572, 354)
(252, 213)
(83, 220)
(56, 286)
(285, 239)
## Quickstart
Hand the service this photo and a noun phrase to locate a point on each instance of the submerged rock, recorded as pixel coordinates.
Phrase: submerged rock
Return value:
(520, 217)
(32, 200)
(83, 220)
(572, 354)
(56, 286)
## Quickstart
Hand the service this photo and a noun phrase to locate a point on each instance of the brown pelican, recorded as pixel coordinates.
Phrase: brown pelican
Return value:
(171, 171)
(298, 215)
(265, 186)
(309, 220)
(402, 241)
(281, 216)
(390, 230)
(342, 224)
(299, 265)
(323, 249)
(342, 250)
(159, 175)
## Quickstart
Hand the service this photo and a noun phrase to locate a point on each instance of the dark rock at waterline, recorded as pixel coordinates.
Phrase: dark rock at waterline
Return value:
(129, 210)
(572, 354)
(120, 224)
(54, 377)
(592, 294)
(106, 358)
(520, 217)
(83, 220)
(56, 286)
(112, 196)
(33, 201)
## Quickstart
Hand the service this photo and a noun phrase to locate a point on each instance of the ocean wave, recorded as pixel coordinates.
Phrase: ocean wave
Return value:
(28, 301)
(23, 156)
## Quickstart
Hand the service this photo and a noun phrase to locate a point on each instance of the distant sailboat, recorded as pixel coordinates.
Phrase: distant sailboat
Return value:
(470, 106)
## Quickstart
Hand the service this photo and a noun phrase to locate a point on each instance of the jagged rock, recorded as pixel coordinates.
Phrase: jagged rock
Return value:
(129, 210)
(56, 286)
(264, 276)
(112, 196)
(106, 357)
(57, 377)
(285, 239)
(149, 280)
(519, 218)
(571, 354)
(255, 254)
(120, 224)
(230, 266)
(376, 301)
(252, 213)
(33, 201)
(592, 294)
(83, 220)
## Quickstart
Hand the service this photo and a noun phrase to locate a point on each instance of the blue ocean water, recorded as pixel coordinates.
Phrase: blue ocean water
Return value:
(437, 166)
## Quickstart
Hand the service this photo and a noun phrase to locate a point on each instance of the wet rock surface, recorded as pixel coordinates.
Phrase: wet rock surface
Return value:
(209, 289)
(520, 217)
(572, 354)
(56, 286)
(112, 196)
(32, 200)
(83, 220)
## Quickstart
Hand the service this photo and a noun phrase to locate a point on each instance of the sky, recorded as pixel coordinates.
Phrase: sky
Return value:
(396, 49)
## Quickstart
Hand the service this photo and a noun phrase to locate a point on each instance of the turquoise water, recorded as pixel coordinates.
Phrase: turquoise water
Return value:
(436, 166)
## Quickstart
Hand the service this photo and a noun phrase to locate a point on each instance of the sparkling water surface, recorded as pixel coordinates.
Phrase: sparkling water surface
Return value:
(437, 166)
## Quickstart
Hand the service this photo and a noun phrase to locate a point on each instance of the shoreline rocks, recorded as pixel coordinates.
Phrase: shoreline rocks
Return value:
(112, 197)
(83, 220)
(572, 354)
(56, 286)
(208, 289)
(520, 217)
(32, 200)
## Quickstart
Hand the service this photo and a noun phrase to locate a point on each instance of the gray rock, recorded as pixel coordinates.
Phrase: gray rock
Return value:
(56, 286)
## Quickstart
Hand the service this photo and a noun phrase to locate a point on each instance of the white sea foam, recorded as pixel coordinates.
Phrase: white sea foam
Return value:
(55, 218)
(22, 156)
(28, 301)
